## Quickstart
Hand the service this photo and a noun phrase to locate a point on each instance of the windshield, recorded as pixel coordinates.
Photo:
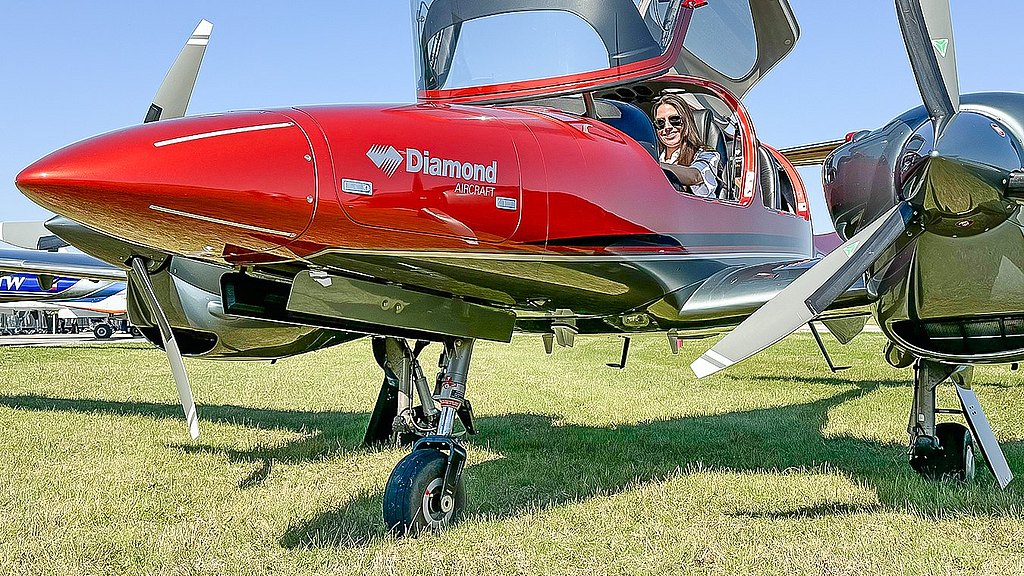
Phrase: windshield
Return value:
(466, 43)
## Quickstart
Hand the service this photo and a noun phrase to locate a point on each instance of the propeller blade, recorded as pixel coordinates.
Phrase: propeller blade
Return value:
(928, 33)
(172, 97)
(188, 405)
(808, 295)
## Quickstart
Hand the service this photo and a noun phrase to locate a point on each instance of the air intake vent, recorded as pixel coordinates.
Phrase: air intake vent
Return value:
(959, 336)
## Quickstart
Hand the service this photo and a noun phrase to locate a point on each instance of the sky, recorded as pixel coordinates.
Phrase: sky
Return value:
(74, 69)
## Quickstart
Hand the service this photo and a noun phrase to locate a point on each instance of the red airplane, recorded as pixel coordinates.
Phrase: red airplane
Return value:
(526, 198)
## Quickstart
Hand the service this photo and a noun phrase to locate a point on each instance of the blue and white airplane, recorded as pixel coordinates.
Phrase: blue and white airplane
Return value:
(66, 279)
(56, 276)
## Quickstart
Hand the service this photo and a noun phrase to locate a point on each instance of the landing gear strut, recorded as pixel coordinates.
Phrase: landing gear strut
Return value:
(395, 420)
(425, 490)
(947, 449)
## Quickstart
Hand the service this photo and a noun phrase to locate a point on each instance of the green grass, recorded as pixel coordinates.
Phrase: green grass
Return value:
(775, 467)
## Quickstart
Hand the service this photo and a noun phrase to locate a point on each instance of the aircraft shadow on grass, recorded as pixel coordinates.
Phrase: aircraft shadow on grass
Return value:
(546, 464)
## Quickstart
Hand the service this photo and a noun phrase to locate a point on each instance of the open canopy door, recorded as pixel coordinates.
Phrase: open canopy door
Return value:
(507, 50)
(734, 43)
(503, 50)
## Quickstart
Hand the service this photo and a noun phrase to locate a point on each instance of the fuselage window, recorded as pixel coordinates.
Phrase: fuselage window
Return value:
(777, 189)
(787, 192)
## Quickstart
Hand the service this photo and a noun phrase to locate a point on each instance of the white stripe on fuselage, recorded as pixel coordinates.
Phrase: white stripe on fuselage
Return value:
(217, 133)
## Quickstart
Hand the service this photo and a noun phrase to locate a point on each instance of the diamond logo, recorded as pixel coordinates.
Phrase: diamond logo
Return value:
(385, 157)
(941, 44)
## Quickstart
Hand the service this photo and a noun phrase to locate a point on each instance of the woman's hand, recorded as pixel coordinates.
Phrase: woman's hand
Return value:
(688, 176)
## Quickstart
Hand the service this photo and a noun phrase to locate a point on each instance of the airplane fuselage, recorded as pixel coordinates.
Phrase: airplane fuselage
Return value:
(528, 208)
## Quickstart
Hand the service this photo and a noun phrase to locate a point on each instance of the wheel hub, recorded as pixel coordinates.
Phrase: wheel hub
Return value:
(437, 509)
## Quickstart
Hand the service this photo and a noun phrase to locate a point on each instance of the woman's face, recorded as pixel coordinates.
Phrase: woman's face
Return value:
(670, 134)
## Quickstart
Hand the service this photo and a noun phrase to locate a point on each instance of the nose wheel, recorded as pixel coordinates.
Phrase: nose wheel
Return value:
(415, 498)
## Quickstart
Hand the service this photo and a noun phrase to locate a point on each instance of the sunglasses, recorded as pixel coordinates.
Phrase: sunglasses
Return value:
(675, 121)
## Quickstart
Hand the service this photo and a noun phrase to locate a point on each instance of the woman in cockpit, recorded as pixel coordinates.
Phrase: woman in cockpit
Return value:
(680, 147)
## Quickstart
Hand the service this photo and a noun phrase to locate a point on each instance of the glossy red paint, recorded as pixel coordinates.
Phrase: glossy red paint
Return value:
(570, 83)
(443, 170)
(253, 187)
(191, 186)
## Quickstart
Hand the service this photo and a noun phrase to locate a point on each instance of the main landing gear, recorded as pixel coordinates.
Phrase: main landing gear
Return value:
(947, 449)
(425, 491)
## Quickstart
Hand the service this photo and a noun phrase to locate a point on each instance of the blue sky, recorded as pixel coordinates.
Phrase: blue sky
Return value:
(74, 69)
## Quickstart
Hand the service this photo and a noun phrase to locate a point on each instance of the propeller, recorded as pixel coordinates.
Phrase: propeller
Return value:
(171, 101)
(808, 295)
(140, 278)
(175, 91)
(927, 33)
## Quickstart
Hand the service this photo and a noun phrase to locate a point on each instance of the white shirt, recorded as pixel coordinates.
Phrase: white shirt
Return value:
(706, 162)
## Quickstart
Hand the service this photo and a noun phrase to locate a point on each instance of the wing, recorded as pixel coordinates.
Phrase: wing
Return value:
(736, 292)
(58, 264)
(811, 154)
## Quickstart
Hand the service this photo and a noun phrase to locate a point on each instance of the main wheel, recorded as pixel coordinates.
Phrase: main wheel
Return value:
(954, 459)
(103, 331)
(412, 498)
(956, 440)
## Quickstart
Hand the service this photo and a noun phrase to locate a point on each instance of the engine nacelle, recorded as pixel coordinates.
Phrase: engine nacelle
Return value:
(956, 293)
(860, 177)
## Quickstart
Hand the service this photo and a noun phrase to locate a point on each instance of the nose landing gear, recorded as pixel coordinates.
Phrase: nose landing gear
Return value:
(425, 490)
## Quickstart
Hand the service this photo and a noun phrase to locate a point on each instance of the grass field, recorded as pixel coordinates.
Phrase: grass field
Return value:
(774, 467)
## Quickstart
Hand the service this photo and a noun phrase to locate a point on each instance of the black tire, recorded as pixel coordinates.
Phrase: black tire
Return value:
(103, 331)
(958, 451)
(412, 500)
(955, 460)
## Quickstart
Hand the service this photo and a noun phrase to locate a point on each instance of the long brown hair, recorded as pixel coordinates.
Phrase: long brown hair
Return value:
(690, 139)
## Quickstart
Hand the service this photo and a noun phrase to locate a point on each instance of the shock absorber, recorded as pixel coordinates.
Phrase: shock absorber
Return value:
(453, 383)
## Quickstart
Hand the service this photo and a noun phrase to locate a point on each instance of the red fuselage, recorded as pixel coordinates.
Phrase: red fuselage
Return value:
(241, 186)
